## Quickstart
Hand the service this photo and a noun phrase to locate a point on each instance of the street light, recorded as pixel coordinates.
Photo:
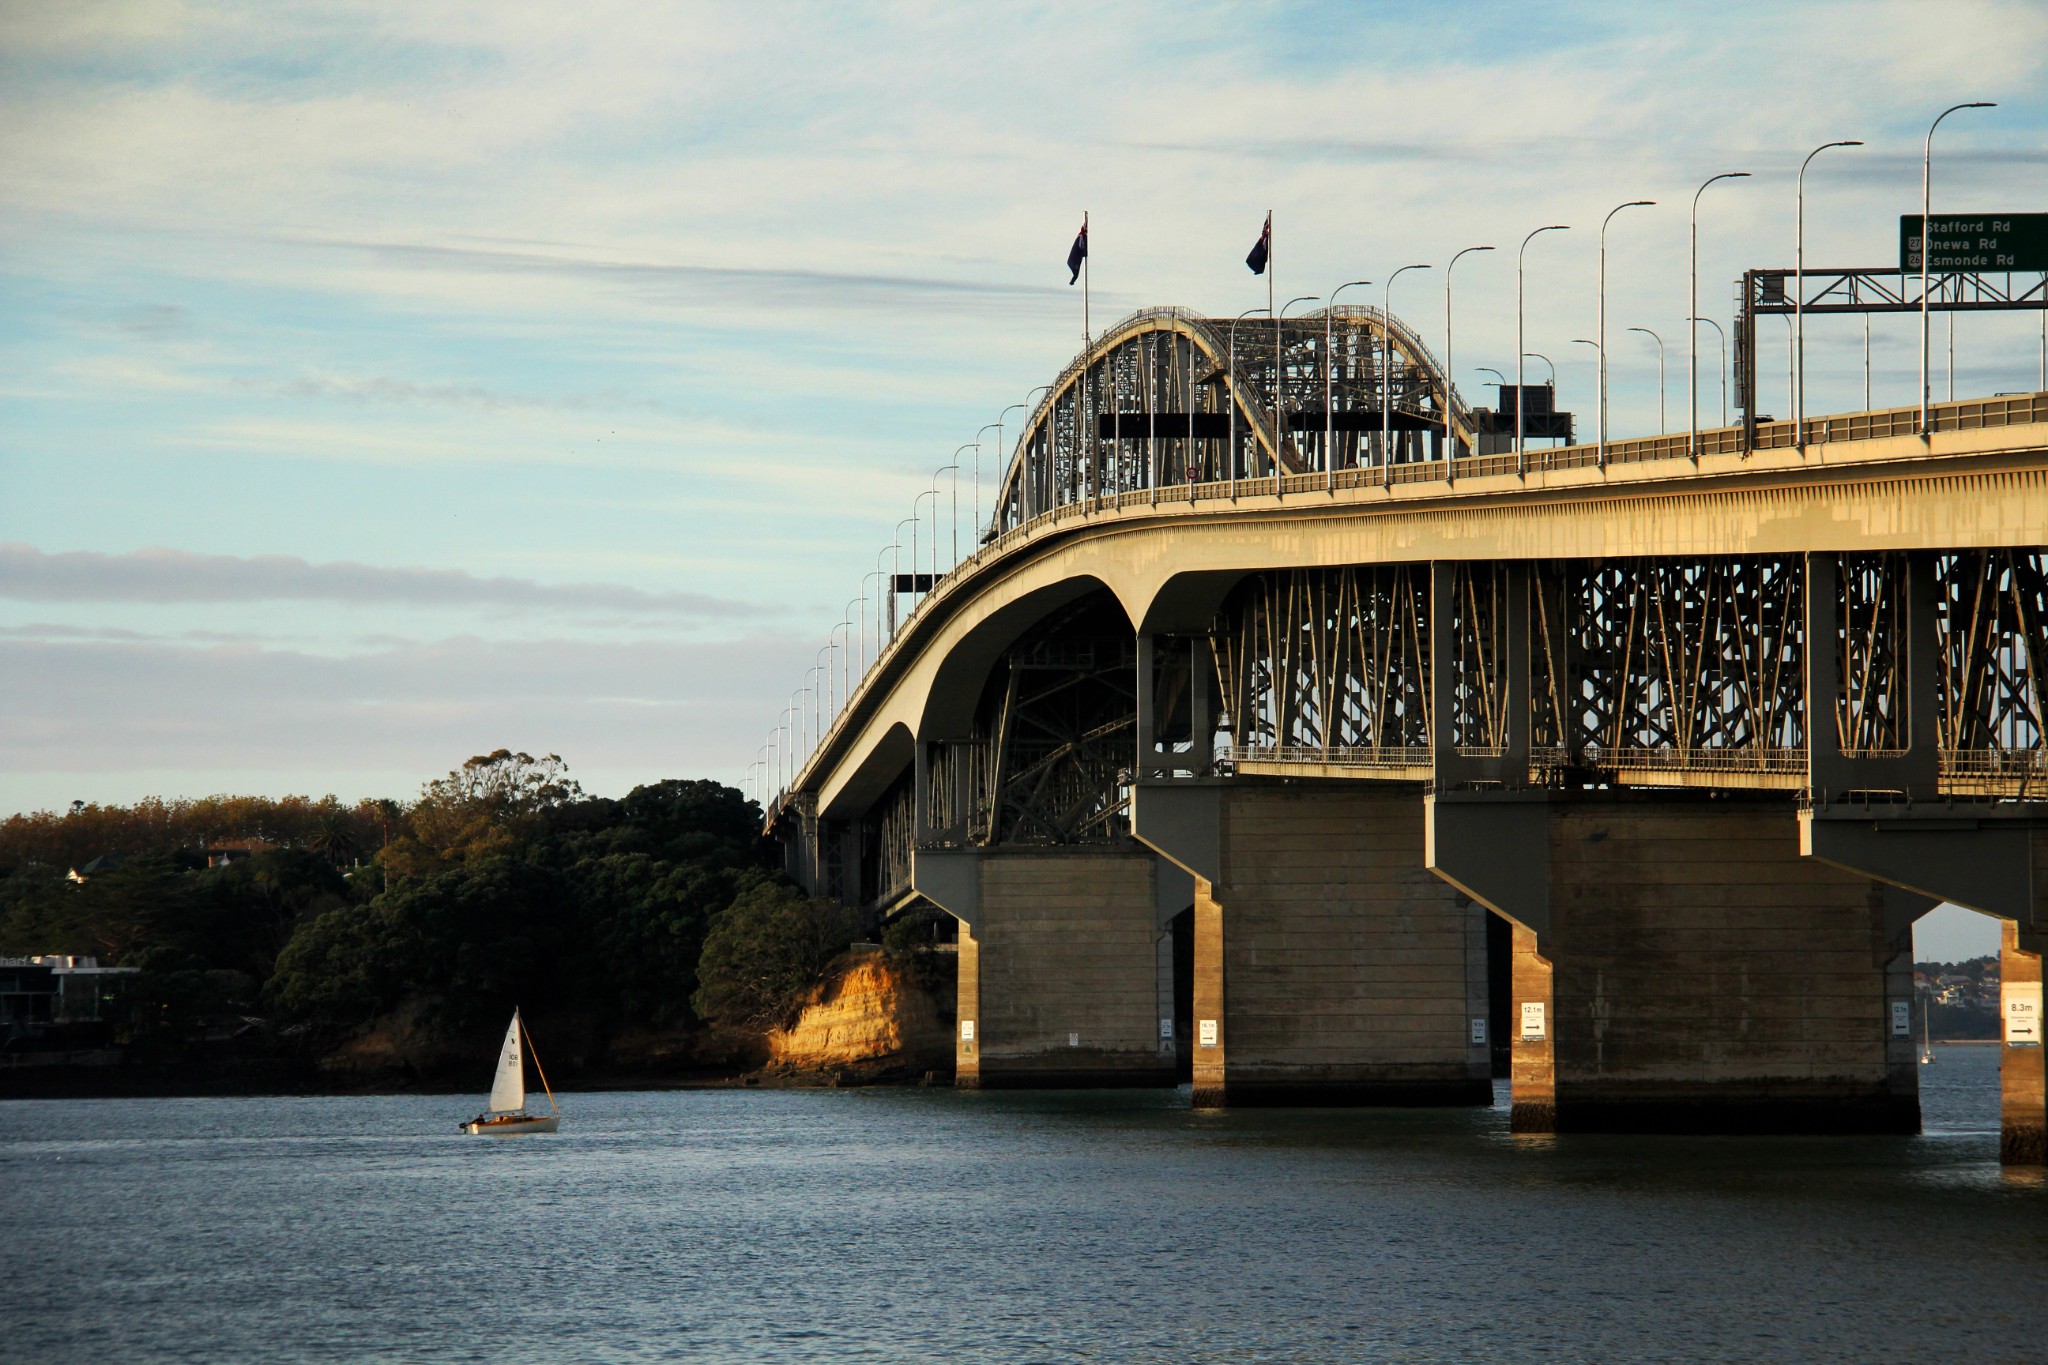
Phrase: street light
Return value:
(1692, 308)
(976, 446)
(1231, 369)
(1023, 475)
(1450, 431)
(1521, 255)
(1329, 351)
(974, 519)
(1387, 372)
(1724, 373)
(1926, 247)
(1499, 379)
(1538, 355)
(1279, 408)
(1631, 204)
(1599, 364)
(1799, 296)
(895, 576)
(865, 657)
(1660, 374)
(933, 494)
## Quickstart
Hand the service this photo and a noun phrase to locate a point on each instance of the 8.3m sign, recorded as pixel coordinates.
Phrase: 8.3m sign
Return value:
(1988, 241)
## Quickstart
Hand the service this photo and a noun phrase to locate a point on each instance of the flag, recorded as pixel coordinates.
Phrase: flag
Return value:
(1078, 253)
(1262, 249)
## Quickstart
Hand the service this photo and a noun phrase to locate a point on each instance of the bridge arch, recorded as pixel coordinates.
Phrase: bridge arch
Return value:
(1169, 398)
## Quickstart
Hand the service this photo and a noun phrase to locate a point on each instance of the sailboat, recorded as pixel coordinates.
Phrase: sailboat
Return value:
(506, 1114)
(1926, 1036)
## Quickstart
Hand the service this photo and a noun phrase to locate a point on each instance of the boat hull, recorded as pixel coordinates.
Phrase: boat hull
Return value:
(512, 1127)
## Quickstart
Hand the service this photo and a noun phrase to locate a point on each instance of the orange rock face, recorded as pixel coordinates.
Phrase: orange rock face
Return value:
(866, 1010)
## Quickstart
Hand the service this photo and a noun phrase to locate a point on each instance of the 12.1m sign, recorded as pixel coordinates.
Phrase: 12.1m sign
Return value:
(1987, 241)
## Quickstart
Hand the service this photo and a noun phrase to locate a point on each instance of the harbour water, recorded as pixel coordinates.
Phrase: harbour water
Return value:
(906, 1225)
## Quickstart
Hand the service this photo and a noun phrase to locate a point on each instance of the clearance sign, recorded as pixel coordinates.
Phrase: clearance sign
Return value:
(2022, 1013)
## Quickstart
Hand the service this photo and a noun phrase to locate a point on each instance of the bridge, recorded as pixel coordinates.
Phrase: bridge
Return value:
(1296, 730)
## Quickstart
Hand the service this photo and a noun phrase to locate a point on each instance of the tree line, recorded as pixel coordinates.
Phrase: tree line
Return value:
(502, 884)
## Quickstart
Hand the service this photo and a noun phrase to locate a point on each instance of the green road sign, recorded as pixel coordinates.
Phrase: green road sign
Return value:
(1977, 241)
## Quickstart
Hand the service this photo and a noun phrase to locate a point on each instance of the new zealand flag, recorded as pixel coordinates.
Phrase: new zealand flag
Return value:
(1264, 248)
(1078, 253)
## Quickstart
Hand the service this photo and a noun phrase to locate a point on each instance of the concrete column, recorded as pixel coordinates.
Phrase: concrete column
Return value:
(1532, 1067)
(1059, 964)
(1346, 973)
(2023, 1070)
(967, 1002)
(1209, 1064)
(1701, 976)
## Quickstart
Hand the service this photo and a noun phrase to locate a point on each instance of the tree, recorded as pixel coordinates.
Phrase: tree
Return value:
(490, 806)
(765, 950)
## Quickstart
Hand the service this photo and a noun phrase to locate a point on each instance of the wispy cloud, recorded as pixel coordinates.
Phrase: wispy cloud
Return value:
(165, 576)
(115, 706)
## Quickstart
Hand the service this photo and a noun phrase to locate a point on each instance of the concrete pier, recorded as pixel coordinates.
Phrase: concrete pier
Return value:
(2023, 1068)
(1696, 975)
(1059, 971)
(1330, 967)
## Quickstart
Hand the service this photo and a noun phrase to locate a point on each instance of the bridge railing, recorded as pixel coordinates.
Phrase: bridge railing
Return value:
(1996, 770)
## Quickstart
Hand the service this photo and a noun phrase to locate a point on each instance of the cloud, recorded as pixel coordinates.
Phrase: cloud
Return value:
(726, 286)
(165, 576)
(655, 707)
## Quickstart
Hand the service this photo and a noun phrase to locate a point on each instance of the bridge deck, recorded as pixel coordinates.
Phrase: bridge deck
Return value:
(1860, 446)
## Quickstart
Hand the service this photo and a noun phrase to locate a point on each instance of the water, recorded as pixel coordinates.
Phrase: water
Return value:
(943, 1226)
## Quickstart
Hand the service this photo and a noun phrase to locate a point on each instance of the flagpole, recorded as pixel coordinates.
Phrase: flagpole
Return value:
(1276, 351)
(1087, 369)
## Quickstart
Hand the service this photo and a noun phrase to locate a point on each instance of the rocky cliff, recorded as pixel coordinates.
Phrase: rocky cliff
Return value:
(870, 1020)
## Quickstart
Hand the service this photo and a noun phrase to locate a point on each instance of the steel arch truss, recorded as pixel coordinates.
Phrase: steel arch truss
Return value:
(1168, 399)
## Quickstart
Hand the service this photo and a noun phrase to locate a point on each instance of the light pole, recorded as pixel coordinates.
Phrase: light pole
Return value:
(1500, 380)
(1538, 355)
(895, 551)
(1631, 204)
(1280, 436)
(933, 494)
(1387, 373)
(1231, 370)
(1927, 247)
(1023, 475)
(1450, 407)
(847, 655)
(974, 518)
(1660, 374)
(865, 658)
(1724, 377)
(1329, 353)
(1692, 308)
(1799, 296)
(976, 447)
(836, 696)
(1521, 256)
(1599, 364)
(1866, 360)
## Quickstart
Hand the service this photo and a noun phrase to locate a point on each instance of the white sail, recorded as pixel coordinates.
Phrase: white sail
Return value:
(508, 1090)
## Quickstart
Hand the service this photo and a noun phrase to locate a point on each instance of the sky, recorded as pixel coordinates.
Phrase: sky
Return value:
(383, 384)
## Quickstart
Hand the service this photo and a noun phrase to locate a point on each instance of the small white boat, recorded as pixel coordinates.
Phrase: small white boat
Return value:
(506, 1115)
(1926, 1037)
